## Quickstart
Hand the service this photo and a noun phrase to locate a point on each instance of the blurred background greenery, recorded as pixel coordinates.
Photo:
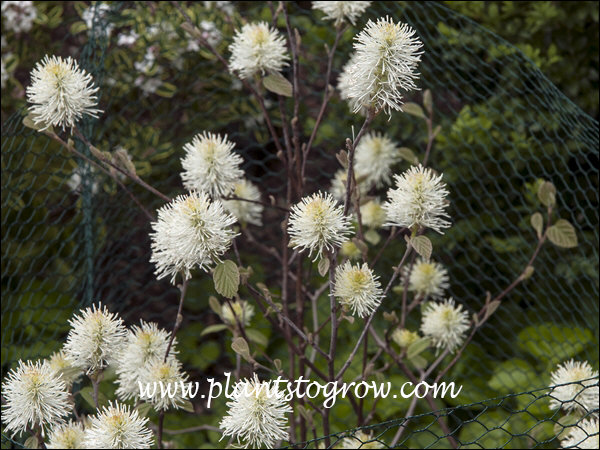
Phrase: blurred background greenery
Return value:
(515, 89)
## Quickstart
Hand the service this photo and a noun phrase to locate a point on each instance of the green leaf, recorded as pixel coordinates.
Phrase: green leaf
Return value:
(422, 246)
(29, 122)
(188, 406)
(277, 363)
(547, 194)
(537, 222)
(562, 234)
(418, 347)
(143, 409)
(278, 84)
(553, 343)
(227, 278)
(213, 329)
(528, 272)
(490, 309)
(87, 393)
(240, 346)
(167, 90)
(372, 237)
(323, 266)
(408, 155)
(413, 109)
(214, 305)
(428, 101)
(257, 337)
(514, 375)
(418, 362)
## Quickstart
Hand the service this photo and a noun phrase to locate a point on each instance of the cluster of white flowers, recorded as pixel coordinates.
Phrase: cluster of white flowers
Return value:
(127, 39)
(358, 288)
(61, 93)
(117, 426)
(211, 165)
(224, 6)
(78, 175)
(95, 339)
(96, 19)
(419, 200)
(209, 32)
(582, 435)
(67, 435)
(18, 16)
(576, 387)
(426, 278)
(158, 372)
(257, 48)
(144, 344)
(33, 396)
(341, 11)
(445, 323)
(257, 414)
(61, 366)
(5, 75)
(239, 310)
(374, 158)
(361, 440)
(317, 223)
(191, 231)
(245, 211)
(383, 66)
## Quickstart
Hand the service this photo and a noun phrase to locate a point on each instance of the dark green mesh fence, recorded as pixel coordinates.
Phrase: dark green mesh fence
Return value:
(70, 236)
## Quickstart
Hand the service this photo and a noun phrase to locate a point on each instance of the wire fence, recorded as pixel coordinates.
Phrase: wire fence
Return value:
(70, 237)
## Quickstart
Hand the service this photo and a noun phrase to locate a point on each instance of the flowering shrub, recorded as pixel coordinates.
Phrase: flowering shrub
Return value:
(208, 232)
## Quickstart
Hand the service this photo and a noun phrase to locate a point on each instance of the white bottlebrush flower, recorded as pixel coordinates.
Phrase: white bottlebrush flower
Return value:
(375, 155)
(61, 366)
(341, 11)
(583, 435)
(579, 393)
(18, 16)
(241, 309)
(256, 414)
(167, 374)
(68, 435)
(191, 231)
(210, 165)
(61, 93)
(116, 426)
(95, 339)
(361, 440)
(338, 185)
(257, 48)
(372, 214)
(33, 396)
(445, 323)
(426, 279)
(358, 288)
(317, 223)
(385, 63)
(246, 212)
(404, 337)
(144, 344)
(419, 199)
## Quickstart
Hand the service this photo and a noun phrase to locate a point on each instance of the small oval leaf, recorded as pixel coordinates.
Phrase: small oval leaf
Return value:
(417, 347)
(278, 84)
(562, 234)
(537, 222)
(240, 346)
(547, 194)
(422, 246)
(213, 329)
(227, 278)
(323, 266)
(413, 109)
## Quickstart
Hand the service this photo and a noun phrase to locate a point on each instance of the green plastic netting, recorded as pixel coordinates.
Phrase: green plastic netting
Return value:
(70, 236)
